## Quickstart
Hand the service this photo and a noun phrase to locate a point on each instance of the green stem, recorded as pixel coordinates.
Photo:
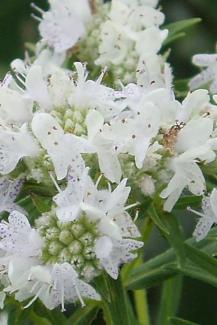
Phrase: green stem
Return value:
(141, 304)
(170, 298)
(116, 305)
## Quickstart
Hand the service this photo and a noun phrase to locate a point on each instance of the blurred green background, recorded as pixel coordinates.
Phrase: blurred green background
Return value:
(199, 301)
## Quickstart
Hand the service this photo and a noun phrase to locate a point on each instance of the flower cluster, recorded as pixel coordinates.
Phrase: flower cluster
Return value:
(86, 139)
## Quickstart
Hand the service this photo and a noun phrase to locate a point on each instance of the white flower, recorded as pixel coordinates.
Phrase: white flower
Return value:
(48, 60)
(193, 144)
(47, 91)
(87, 95)
(130, 29)
(64, 24)
(133, 134)
(186, 174)
(53, 285)
(70, 200)
(14, 107)
(107, 156)
(17, 236)
(135, 3)
(8, 193)
(63, 149)
(15, 146)
(152, 72)
(103, 205)
(137, 97)
(208, 62)
(150, 40)
(113, 253)
(109, 209)
(208, 217)
(194, 105)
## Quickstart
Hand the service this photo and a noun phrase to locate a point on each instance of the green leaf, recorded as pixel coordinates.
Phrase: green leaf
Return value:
(141, 301)
(27, 204)
(188, 200)
(169, 226)
(179, 321)
(181, 87)
(84, 315)
(42, 203)
(176, 29)
(115, 302)
(170, 299)
(194, 272)
(158, 220)
(56, 317)
(37, 320)
(202, 260)
(157, 269)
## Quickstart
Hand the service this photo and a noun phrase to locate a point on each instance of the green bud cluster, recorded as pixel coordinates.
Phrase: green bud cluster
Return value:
(71, 120)
(71, 242)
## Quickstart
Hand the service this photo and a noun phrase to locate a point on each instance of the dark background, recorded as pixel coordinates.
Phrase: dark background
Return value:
(199, 301)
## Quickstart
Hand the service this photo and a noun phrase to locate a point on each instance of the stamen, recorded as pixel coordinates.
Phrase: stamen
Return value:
(62, 296)
(20, 80)
(79, 297)
(98, 181)
(36, 18)
(132, 206)
(34, 6)
(100, 78)
(195, 212)
(136, 216)
(34, 298)
(109, 187)
(55, 183)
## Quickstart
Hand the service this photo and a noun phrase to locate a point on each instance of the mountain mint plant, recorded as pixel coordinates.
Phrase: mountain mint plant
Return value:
(96, 147)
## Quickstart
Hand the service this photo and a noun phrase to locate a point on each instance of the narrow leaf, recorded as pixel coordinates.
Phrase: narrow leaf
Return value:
(170, 298)
(178, 27)
(84, 315)
(179, 321)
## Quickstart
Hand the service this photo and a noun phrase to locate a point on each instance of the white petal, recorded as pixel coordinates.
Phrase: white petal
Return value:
(109, 165)
(63, 149)
(202, 228)
(14, 146)
(150, 40)
(194, 134)
(203, 60)
(14, 108)
(94, 122)
(36, 87)
(103, 247)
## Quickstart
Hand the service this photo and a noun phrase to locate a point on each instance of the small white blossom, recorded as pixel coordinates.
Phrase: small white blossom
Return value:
(193, 144)
(64, 24)
(113, 253)
(8, 194)
(69, 202)
(14, 107)
(17, 236)
(58, 285)
(208, 217)
(131, 26)
(63, 149)
(88, 95)
(14, 146)
(208, 76)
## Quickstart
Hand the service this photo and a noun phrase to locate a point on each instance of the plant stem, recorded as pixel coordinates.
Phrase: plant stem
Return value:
(141, 304)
